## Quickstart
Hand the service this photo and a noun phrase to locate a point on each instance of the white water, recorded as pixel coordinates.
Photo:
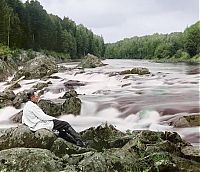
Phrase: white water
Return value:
(129, 104)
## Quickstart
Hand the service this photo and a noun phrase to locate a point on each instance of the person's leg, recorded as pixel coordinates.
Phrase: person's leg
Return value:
(67, 137)
(67, 132)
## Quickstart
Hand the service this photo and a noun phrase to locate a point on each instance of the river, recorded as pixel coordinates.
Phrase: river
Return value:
(149, 102)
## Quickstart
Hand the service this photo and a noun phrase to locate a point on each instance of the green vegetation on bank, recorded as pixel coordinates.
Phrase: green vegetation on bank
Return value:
(28, 26)
(174, 47)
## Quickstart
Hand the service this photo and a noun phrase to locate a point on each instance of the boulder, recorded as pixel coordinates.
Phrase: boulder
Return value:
(69, 104)
(90, 61)
(29, 159)
(194, 71)
(191, 152)
(7, 68)
(110, 150)
(14, 86)
(37, 68)
(17, 118)
(20, 98)
(193, 120)
(40, 86)
(52, 107)
(6, 98)
(136, 70)
(22, 136)
(73, 83)
(186, 121)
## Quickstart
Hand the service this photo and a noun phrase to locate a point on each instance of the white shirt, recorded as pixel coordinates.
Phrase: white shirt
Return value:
(34, 117)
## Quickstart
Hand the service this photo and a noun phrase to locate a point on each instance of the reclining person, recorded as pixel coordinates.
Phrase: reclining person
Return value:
(34, 117)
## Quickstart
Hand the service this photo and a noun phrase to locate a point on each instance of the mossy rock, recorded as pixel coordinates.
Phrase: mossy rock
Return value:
(29, 159)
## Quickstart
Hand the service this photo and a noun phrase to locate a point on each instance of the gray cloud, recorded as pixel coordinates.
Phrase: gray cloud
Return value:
(118, 19)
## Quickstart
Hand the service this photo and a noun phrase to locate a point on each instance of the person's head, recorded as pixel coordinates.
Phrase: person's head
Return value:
(32, 97)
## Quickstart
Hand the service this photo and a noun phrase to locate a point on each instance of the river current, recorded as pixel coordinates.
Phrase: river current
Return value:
(135, 102)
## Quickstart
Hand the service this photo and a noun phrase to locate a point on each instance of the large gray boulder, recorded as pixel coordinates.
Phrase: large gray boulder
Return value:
(68, 104)
(7, 68)
(37, 68)
(6, 98)
(26, 159)
(22, 136)
(90, 61)
(110, 150)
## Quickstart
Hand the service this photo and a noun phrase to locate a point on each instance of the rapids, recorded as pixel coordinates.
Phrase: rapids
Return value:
(135, 103)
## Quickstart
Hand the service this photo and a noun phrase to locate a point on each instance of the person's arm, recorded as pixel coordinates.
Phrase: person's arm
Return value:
(40, 113)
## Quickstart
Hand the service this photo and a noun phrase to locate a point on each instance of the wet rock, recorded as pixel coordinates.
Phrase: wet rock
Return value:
(7, 94)
(6, 98)
(194, 71)
(125, 72)
(193, 120)
(180, 122)
(37, 68)
(54, 77)
(73, 83)
(52, 107)
(110, 150)
(7, 68)
(69, 94)
(61, 147)
(14, 86)
(17, 118)
(68, 104)
(23, 159)
(186, 121)
(22, 136)
(100, 137)
(191, 152)
(40, 86)
(72, 103)
(136, 70)
(20, 98)
(90, 61)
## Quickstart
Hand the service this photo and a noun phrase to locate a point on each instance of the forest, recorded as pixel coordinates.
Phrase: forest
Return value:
(28, 26)
(174, 46)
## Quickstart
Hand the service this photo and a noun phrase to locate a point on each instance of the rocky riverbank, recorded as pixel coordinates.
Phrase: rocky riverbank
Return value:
(109, 150)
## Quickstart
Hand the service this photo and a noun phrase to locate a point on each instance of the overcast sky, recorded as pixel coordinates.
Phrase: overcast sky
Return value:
(118, 19)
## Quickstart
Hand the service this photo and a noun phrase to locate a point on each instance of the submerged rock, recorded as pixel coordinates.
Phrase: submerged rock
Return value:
(73, 83)
(90, 61)
(37, 68)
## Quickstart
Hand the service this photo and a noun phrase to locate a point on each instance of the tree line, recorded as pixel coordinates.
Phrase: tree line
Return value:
(28, 26)
(177, 45)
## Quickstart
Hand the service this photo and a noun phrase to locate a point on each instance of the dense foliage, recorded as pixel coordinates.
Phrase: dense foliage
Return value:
(29, 26)
(178, 45)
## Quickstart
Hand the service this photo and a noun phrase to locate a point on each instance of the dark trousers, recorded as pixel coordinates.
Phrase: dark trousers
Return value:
(66, 131)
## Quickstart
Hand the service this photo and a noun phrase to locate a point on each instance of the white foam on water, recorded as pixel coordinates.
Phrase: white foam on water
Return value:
(7, 112)
(102, 89)
(88, 108)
